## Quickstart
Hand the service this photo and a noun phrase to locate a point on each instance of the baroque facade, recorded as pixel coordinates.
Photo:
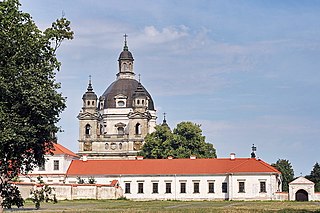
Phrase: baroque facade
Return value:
(114, 126)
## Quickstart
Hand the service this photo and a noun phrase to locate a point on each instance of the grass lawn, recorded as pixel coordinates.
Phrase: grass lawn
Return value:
(169, 206)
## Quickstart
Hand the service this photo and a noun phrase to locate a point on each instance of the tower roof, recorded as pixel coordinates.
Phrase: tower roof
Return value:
(125, 54)
(89, 94)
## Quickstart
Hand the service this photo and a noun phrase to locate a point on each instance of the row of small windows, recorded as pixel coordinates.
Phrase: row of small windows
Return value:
(113, 146)
(168, 187)
(92, 103)
(119, 129)
(196, 187)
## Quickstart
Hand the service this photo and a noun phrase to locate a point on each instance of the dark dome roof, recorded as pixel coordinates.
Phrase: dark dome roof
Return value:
(125, 55)
(125, 87)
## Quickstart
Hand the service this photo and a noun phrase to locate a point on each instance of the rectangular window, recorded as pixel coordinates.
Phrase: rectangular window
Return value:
(196, 187)
(182, 187)
(211, 187)
(56, 165)
(140, 188)
(127, 188)
(168, 187)
(42, 167)
(263, 186)
(155, 188)
(241, 187)
(224, 187)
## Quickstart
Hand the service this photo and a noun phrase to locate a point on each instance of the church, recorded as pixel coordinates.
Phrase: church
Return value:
(114, 126)
(112, 129)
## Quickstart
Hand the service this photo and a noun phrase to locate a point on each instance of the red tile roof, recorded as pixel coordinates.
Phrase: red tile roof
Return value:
(169, 166)
(61, 150)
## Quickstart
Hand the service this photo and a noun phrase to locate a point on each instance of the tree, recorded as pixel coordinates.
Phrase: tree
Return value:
(185, 140)
(284, 166)
(29, 101)
(315, 176)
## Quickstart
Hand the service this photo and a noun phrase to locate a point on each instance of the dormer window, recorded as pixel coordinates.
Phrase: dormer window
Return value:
(121, 100)
(121, 104)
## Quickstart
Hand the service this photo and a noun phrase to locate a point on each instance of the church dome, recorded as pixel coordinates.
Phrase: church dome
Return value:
(126, 87)
(126, 55)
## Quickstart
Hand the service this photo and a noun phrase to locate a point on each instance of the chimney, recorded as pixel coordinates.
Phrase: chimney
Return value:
(170, 157)
(139, 157)
(232, 156)
(193, 157)
(84, 158)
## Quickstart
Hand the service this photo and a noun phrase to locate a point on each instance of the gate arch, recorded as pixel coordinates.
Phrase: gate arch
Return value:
(302, 195)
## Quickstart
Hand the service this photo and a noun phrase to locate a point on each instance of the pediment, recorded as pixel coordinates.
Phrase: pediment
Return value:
(87, 116)
(120, 96)
(145, 115)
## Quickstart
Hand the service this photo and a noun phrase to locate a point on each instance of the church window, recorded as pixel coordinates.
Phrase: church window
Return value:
(125, 67)
(92, 103)
(138, 101)
(224, 187)
(263, 187)
(101, 129)
(183, 188)
(120, 145)
(168, 187)
(121, 104)
(142, 102)
(88, 129)
(140, 188)
(56, 165)
(241, 187)
(138, 129)
(106, 146)
(113, 146)
(155, 187)
(127, 188)
(120, 130)
(88, 102)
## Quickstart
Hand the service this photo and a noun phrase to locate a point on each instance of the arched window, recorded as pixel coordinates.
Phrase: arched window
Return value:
(92, 102)
(88, 129)
(106, 146)
(138, 129)
(88, 103)
(138, 101)
(120, 130)
(120, 145)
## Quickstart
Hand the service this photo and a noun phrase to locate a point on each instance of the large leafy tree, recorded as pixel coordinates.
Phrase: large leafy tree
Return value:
(185, 140)
(285, 167)
(315, 176)
(29, 102)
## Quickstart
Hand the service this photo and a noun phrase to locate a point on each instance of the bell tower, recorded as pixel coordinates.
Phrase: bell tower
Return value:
(88, 120)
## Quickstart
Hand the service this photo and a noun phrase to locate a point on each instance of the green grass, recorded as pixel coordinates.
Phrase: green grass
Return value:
(92, 206)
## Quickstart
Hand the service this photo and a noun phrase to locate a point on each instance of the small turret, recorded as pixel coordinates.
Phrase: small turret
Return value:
(164, 122)
(89, 99)
(253, 153)
(140, 98)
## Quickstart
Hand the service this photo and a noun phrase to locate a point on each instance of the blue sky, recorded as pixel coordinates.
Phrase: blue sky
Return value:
(247, 71)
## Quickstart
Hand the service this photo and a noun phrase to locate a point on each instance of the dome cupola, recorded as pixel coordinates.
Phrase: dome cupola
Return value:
(125, 62)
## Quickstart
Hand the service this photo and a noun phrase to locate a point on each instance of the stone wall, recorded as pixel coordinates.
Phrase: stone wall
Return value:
(75, 191)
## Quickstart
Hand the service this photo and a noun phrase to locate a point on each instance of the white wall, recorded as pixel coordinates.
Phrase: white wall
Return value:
(252, 186)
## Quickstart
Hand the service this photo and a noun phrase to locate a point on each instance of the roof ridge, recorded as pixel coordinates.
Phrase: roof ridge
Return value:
(238, 165)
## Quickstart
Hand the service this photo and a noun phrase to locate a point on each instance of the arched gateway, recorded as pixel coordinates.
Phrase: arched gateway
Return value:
(302, 195)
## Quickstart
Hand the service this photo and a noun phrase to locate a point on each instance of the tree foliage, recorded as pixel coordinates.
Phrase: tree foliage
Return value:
(29, 102)
(185, 140)
(315, 176)
(284, 166)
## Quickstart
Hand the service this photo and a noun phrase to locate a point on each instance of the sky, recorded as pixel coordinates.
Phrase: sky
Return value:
(247, 71)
